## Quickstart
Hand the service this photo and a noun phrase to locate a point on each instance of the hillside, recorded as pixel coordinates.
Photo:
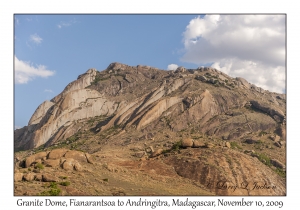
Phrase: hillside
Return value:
(139, 130)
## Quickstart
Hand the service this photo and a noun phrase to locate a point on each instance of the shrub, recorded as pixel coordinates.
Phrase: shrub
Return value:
(177, 146)
(51, 192)
(54, 190)
(39, 165)
(262, 133)
(66, 183)
(235, 145)
(280, 172)
(264, 159)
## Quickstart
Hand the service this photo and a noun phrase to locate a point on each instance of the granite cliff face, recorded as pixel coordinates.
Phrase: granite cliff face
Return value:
(126, 105)
(138, 96)
(52, 119)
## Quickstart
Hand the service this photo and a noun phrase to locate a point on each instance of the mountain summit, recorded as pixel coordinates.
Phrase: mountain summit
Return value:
(202, 122)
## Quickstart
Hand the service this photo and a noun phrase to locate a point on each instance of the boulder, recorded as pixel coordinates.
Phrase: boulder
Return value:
(29, 177)
(29, 160)
(209, 145)
(41, 155)
(243, 82)
(201, 78)
(18, 177)
(89, 158)
(276, 138)
(197, 144)
(251, 141)
(258, 89)
(187, 142)
(38, 161)
(57, 153)
(49, 178)
(157, 153)
(36, 170)
(117, 66)
(227, 144)
(139, 154)
(68, 164)
(52, 163)
(277, 163)
(76, 155)
(277, 144)
(149, 149)
(77, 166)
(180, 69)
(38, 177)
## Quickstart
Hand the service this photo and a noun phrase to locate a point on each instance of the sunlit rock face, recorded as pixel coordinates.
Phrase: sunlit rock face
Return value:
(140, 96)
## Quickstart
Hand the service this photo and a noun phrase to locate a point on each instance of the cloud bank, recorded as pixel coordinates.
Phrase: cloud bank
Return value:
(248, 46)
(24, 71)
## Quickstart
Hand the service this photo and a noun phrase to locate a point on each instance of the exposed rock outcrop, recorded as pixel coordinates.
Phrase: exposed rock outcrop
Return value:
(40, 112)
(137, 97)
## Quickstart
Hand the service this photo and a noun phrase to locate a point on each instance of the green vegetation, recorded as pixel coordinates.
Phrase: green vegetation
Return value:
(176, 147)
(168, 121)
(280, 172)
(99, 78)
(66, 183)
(264, 159)
(39, 165)
(39, 149)
(197, 137)
(267, 161)
(111, 131)
(262, 133)
(106, 179)
(63, 177)
(54, 190)
(235, 145)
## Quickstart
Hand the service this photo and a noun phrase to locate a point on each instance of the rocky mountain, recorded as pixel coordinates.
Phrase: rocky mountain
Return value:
(199, 126)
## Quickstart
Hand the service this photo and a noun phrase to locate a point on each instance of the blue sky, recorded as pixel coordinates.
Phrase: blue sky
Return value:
(52, 50)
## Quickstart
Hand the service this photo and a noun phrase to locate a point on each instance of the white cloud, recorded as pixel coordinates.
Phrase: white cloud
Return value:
(24, 71)
(172, 67)
(48, 90)
(36, 38)
(66, 23)
(240, 45)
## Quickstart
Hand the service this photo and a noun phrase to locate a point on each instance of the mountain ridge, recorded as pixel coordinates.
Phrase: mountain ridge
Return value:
(83, 90)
